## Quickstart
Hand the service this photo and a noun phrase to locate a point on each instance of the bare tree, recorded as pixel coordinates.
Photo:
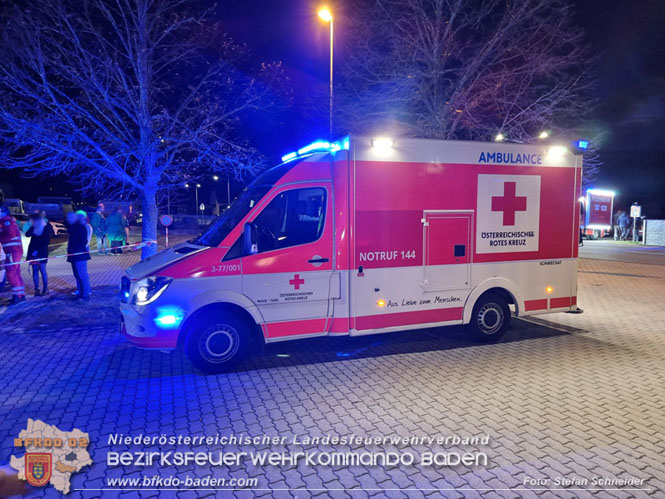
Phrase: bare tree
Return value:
(125, 95)
(466, 69)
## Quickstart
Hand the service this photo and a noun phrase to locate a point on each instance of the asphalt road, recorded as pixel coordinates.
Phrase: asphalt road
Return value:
(618, 251)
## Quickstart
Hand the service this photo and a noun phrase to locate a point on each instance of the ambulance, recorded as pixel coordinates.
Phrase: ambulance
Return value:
(368, 235)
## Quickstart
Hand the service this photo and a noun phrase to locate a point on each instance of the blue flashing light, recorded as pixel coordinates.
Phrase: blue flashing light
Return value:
(289, 157)
(582, 144)
(319, 145)
(169, 317)
(166, 320)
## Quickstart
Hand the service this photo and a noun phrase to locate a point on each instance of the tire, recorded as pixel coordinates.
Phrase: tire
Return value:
(218, 343)
(490, 318)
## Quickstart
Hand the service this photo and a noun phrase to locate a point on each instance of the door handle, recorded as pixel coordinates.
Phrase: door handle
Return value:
(318, 260)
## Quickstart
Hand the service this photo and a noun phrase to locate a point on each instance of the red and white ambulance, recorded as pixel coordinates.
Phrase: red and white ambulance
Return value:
(368, 235)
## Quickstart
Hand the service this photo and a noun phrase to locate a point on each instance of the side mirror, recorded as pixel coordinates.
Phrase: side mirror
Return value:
(249, 245)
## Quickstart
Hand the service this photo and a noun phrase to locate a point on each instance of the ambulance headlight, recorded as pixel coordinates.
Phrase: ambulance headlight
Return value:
(149, 289)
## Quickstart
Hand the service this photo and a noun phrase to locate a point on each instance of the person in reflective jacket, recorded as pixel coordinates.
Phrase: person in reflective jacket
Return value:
(10, 238)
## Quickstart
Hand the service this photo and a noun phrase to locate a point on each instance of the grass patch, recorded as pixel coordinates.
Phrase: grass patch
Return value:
(61, 310)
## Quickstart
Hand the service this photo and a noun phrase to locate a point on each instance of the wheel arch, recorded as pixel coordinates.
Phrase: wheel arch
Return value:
(215, 303)
(499, 285)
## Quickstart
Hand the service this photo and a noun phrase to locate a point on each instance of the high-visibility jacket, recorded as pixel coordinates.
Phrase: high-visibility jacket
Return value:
(10, 238)
(10, 234)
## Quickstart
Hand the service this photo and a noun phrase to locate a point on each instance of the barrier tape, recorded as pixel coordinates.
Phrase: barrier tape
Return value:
(42, 260)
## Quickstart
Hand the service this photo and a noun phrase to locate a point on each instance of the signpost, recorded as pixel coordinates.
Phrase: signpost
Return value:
(201, 208)
(166, 220)
(635, 213)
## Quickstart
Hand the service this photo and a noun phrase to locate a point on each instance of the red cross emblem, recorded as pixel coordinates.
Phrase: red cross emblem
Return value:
(509, 203)
(296, 281)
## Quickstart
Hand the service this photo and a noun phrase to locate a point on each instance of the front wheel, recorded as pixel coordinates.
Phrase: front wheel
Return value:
(490, 318)
(218, 343)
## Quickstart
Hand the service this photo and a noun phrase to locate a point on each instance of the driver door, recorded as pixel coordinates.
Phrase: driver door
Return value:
(290, 276)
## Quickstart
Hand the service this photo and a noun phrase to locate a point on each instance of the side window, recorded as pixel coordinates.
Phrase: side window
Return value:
(235, 251)
(292, 218)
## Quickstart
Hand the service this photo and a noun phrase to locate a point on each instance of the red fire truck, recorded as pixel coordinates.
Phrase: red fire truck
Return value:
(598, 209)
(368, 235)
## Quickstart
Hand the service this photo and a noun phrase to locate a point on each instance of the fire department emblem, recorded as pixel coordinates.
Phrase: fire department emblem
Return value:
(38, 468)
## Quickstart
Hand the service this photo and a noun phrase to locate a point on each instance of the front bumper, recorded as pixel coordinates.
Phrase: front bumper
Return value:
(140, 331)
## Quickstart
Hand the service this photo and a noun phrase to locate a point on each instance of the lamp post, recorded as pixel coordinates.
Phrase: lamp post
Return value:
(228, 190)
(198, 211)
(196, 197)
(326, 16)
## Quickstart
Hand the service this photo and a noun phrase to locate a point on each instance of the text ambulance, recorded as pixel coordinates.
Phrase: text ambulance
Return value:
(366, 236)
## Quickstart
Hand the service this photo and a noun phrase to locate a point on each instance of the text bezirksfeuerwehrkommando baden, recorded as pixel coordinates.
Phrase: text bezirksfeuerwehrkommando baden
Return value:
(311, 455)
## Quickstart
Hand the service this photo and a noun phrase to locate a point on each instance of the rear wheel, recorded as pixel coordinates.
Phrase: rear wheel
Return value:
(217, 343)
(490, 318)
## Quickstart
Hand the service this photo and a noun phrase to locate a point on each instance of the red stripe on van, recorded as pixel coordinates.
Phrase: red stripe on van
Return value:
(530, 305)
(566, 301)
(290, 328)
(340, 325)
(406, 318)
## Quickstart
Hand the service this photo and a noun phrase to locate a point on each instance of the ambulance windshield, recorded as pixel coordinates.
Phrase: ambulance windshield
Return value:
(224, 224)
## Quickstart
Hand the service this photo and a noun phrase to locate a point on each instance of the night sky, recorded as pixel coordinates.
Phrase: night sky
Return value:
(629, 38)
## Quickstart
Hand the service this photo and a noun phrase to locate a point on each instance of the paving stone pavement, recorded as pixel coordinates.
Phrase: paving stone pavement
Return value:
(574, 396)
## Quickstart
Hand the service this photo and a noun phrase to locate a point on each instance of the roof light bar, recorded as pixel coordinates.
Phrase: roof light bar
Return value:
(600, 192)
(317, 146)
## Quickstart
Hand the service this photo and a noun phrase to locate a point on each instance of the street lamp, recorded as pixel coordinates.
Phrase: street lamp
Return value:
(197, 186)
(327, 17)
(228, 189)
(198, 210)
